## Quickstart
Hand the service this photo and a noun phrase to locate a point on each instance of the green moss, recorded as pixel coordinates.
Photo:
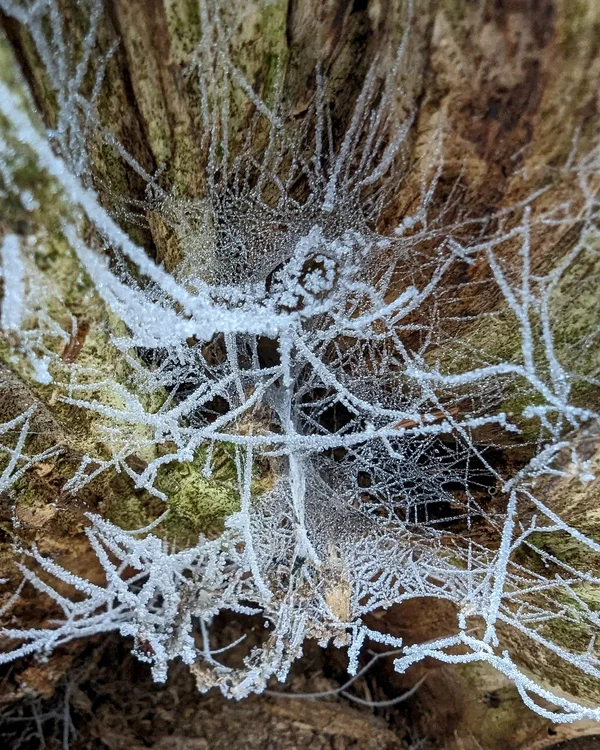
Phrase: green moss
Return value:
(273, 24)
(258, 47)
(574, 635)
(548, 668)
(198, 503)
(8, 69)
(455, 11)
(575, 26)
(183, 20)
(574, 312)
(575, 308)
(566, 548)
(574, 632)
(40, 84)
(493, 703)
(132, 510)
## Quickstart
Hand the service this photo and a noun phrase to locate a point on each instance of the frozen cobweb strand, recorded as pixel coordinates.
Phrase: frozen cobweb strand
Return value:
(16, 461)
(364, 433)
(66, 73)
(11, 313)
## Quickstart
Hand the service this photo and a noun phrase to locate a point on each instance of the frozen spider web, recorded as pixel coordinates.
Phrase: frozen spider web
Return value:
(299, 334)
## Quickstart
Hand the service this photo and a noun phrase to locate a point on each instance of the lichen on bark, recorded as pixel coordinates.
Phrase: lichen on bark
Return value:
(508, 87)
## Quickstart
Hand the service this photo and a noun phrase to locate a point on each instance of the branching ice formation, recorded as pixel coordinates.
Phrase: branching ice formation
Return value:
(299, 332)
(17, 462)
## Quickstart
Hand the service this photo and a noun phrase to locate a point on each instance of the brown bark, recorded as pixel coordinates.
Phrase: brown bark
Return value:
(512, 80)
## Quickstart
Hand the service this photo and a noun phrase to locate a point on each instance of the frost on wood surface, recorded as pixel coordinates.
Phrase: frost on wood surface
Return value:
(306, 331)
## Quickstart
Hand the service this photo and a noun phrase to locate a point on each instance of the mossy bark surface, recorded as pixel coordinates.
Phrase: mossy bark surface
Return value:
(511, 81)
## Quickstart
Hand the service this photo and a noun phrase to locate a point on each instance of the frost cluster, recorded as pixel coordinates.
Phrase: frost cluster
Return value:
(302, 330)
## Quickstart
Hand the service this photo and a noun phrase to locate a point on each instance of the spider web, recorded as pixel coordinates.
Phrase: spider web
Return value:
(299, 333)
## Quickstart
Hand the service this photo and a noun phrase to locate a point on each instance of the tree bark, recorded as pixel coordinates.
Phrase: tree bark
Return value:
(510, 83)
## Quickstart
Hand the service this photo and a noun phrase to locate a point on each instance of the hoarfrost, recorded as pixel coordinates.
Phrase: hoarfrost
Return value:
(299, 333)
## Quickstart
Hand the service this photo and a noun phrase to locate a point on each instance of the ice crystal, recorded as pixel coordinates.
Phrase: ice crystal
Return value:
(298, 331)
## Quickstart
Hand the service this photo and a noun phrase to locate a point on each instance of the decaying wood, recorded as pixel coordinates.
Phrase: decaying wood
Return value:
(511, 81)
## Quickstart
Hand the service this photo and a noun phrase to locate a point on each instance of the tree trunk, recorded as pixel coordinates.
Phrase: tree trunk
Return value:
(511, 85)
